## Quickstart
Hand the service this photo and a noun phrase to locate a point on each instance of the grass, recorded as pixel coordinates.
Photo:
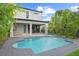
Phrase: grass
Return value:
(74, 53)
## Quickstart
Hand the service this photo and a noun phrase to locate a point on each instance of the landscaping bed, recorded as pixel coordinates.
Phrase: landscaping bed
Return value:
(74, 53)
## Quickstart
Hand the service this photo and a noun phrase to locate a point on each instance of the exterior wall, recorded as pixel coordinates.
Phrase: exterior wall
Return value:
(19, 29)
(20, 14)
(35, 15)
(32, 15)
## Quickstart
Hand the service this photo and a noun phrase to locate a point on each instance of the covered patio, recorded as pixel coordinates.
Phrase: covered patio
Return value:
(23, 28)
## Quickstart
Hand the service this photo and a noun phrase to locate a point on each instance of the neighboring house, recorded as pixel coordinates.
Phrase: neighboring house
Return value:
(28, 22)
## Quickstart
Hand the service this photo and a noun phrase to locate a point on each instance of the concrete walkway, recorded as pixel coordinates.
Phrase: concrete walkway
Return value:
(8, 50)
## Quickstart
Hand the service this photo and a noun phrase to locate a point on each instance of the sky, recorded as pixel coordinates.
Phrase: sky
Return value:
(49, 9)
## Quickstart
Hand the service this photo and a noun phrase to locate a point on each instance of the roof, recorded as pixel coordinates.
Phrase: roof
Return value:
(32, 10)
(33, 20)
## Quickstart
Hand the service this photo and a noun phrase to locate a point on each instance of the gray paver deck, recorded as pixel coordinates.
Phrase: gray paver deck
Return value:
(8, 50)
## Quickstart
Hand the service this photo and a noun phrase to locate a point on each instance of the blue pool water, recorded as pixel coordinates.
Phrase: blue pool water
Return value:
(41, 44)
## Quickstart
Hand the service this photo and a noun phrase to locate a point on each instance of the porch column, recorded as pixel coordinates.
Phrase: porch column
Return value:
(46, 28)
(11, 31)
(30, 29)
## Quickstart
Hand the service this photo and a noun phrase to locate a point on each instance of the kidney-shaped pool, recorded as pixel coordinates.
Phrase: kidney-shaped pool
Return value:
(41, 43)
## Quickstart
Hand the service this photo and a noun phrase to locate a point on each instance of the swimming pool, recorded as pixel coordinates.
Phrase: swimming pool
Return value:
(41, 43)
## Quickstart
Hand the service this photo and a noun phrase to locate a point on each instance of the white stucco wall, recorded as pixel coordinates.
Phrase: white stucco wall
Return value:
(33, 15)
(18, 29)
(20, 14)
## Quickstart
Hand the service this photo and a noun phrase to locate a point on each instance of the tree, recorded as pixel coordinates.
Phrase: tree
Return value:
(64, 22)
(7, 12)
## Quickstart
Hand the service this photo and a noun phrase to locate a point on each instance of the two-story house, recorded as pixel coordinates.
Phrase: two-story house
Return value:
(28, 22)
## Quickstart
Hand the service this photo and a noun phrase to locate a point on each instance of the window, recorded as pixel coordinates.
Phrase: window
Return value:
(25, 28)
(27, 14)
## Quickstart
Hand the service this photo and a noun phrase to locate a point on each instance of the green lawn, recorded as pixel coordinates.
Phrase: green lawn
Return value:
(74, 53)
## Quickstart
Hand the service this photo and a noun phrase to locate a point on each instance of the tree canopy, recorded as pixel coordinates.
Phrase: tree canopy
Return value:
(7, 12)
(65, 22)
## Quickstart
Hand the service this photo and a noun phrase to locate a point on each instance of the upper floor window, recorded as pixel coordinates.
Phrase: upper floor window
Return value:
(27, 14)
